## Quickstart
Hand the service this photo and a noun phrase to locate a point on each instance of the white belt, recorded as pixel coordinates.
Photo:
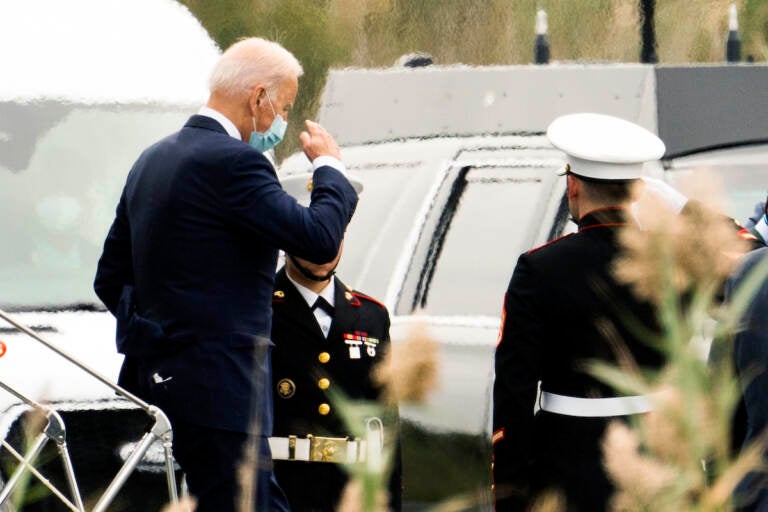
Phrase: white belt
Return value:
(318, 449)
(594, 407)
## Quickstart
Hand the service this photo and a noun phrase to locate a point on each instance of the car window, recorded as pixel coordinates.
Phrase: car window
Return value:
(496, 219)
(397, 177)
(62, 167)
(390, 201)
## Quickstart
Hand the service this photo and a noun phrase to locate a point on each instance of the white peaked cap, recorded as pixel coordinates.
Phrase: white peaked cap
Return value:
(604, 147)
(300, 186)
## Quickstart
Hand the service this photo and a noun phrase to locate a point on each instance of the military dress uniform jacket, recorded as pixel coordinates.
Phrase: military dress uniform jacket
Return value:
(562, 308)
(188, 270)
(307, 367)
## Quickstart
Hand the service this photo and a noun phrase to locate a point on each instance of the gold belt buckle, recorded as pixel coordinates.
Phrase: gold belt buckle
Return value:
(327, 449)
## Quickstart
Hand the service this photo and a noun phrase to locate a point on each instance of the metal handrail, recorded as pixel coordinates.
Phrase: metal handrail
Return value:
(117, 389)
(55, 431)
(161, 429)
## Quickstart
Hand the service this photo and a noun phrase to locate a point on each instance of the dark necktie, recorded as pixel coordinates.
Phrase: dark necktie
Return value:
(324, 305)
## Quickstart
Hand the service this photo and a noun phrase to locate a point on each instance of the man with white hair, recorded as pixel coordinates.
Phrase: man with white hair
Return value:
(188, 269)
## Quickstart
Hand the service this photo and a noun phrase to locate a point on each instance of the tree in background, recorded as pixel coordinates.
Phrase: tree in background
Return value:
(312, 30)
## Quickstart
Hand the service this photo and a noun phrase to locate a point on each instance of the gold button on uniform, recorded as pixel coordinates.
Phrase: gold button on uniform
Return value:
(323, 383)
(324, 357)
(324, 409)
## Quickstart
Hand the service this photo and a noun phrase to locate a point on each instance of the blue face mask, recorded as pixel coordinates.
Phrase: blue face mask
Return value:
(272, 136)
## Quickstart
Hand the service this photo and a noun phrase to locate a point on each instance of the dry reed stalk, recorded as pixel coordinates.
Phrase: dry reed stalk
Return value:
(184, 505)
(409, 371)
(696, 249)
(639, 479)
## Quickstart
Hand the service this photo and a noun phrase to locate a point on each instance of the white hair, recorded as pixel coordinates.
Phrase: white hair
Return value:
(250, 62)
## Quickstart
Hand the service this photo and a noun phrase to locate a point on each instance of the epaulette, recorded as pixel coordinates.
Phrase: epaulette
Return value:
(752, 237)
(747, 235)
(357, 296)
(549, 243)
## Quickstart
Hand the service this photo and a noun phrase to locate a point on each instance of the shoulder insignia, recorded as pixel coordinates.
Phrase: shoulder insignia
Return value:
(359, 295)
(353, 301)
(549, 243)
(746, 234)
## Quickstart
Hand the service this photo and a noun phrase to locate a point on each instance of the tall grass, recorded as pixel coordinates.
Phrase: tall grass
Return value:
(678, 457)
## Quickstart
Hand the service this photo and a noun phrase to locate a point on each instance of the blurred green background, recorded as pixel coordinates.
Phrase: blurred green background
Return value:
(374, 33)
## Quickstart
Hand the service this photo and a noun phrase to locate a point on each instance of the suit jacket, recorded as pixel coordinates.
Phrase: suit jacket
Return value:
(562, 308)
(301, 358)
(188, 269)
(751, 358)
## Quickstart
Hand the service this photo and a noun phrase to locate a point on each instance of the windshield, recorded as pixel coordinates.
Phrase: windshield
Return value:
(62, 167)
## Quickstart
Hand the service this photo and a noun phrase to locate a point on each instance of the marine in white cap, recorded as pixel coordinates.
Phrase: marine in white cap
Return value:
(604, 148)
(327, 339)
(563, 308)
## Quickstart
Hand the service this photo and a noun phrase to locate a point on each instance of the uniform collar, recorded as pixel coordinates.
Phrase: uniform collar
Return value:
(223, 120)
(327, 293)
(611, 216)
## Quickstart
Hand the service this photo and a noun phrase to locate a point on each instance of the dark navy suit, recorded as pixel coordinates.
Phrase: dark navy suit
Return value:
(188, 270)
(751, 358)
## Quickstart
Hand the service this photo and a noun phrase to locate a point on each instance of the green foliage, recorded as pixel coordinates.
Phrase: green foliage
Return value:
(754, 29)
(225, 20)
(308, 28)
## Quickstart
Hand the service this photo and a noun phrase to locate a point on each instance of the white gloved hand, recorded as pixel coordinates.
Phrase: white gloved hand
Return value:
(665, 192)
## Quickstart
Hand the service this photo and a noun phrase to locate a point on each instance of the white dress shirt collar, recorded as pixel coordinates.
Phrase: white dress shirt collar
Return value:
(223, 120)
(323, 317)
(327, 293)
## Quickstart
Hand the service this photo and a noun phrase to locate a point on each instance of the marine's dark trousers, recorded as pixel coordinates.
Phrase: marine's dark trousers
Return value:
(211, 459)
(570, 458)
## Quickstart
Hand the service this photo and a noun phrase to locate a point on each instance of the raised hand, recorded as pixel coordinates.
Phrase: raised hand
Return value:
(316, 141)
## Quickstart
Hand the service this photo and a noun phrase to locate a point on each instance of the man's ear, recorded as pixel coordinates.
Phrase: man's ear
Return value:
(574, 186)
(256, 97)
(637, 190)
